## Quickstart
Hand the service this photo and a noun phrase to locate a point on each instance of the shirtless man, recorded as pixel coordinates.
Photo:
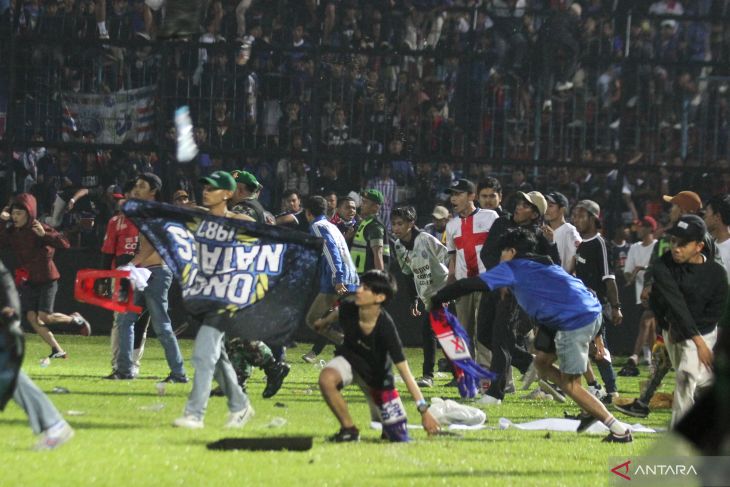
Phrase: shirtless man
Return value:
(154, 298)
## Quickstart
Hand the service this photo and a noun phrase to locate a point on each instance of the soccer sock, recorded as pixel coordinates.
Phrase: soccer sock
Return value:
(647, 354)
(616, 426)
(635, 359)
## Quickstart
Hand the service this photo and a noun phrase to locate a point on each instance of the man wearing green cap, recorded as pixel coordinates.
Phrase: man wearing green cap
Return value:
(370, 246)
(209, 353)
(246, 354)
(244, 200)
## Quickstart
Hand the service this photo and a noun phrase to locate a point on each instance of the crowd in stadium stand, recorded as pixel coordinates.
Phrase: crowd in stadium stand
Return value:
(345, 95)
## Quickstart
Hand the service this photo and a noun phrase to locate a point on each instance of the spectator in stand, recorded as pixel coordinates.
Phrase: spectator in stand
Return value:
(293, 173)
(330, 181)
(559, 40)
(337, 135)
(510, 38)
(667, 7)
(387, 187)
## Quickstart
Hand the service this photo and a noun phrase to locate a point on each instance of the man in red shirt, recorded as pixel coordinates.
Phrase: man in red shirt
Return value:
(34, 245)
(120, 243)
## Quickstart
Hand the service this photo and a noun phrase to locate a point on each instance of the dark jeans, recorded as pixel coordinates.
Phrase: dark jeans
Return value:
(608, 375)
(429, 346)
(507, 318)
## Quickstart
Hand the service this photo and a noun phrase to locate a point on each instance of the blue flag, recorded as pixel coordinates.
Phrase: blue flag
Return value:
(249, 280)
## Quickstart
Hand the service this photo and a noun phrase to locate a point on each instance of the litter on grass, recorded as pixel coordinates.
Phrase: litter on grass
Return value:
(561, 424)
(152, 407)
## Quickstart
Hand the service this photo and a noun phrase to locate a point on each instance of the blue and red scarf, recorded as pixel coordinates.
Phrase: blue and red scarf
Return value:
(455, 343)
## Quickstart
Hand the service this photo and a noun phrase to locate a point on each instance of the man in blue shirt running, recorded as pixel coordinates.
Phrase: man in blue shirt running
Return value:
(568, 314)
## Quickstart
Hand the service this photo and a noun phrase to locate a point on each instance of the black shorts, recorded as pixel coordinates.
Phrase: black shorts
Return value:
(38, 297)
(545, 339)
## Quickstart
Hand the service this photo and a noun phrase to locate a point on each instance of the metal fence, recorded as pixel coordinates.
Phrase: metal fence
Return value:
(653, 85)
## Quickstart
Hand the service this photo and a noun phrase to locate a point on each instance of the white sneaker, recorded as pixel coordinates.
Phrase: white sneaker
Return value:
(186, 147)
(188, 421)
(489, 400)
(54, 436)
(529, 377)
(310, 357)
(538, 395)
(550, 389)
(240, 418)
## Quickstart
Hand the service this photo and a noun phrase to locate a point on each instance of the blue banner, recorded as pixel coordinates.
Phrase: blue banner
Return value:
(250, 280)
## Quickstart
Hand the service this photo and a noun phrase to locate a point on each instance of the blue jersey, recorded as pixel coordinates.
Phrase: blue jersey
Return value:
(547, 293)
(336, 266)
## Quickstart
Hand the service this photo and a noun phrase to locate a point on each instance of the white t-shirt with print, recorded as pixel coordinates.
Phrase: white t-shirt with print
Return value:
(639, 256)
(567, 239)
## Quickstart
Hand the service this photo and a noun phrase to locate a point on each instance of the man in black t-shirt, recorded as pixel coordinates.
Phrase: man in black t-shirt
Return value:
(293, 215)
(593, 267)
(371, 345)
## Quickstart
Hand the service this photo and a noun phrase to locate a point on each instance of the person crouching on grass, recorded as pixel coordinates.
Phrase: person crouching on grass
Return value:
(568, 314)
(371, 346)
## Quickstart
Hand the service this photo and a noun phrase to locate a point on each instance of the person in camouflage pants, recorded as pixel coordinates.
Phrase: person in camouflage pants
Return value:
(245, 355)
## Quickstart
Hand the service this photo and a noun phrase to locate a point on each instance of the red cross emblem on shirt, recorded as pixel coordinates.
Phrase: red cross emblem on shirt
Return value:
(458, 344)
(468, 242)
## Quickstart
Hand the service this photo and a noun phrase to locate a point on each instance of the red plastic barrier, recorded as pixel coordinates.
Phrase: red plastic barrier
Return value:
(85, 290)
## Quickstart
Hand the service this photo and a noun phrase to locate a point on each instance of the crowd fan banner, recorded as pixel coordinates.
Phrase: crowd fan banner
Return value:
(114, 118)
(249, 280)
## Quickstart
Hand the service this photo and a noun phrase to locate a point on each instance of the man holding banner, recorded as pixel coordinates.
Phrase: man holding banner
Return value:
(209, 354)
(239, 279)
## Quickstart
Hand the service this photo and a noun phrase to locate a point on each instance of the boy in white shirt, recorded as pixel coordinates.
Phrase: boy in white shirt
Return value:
(564, 234)
(637, 261)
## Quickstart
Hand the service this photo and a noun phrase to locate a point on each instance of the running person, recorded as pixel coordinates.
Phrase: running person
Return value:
(34, 245)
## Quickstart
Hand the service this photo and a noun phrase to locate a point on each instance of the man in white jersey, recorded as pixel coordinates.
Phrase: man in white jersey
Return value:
(465, 237)
(564, 234)
(637, 261)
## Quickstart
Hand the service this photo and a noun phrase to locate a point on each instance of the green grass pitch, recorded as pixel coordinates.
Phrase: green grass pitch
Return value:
(124, 434)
